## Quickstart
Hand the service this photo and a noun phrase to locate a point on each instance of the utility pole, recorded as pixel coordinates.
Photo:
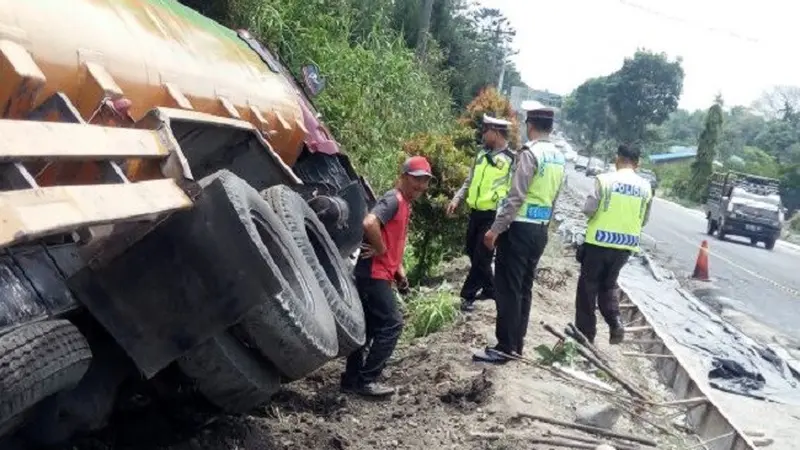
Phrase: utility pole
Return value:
(502, 73)
(424, 28)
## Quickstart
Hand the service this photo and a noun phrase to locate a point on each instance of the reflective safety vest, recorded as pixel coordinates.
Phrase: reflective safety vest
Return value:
(491, 180)
(543, 188)
(623, 201)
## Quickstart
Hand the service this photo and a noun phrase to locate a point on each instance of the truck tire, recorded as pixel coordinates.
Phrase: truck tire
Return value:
(36, 361)
(323, 257)
(228, 376)
(294, 328)
(769, 244)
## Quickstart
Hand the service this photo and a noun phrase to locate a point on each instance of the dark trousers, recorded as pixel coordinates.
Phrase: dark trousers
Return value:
(600, 267)
(384, 325)
(518, 253)
(480, 256)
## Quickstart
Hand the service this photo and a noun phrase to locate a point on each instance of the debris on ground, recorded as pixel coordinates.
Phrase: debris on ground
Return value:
(447, 401)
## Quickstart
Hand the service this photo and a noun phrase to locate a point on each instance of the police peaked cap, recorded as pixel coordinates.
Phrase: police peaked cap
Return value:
(492, 122)
(536, 110)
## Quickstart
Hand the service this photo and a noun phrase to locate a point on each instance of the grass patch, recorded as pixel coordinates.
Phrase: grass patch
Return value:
(429, 312)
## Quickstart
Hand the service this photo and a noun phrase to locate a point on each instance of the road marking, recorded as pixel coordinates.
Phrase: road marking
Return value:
(787, 289)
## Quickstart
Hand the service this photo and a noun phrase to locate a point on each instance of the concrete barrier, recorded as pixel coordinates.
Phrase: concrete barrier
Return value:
(686, 378)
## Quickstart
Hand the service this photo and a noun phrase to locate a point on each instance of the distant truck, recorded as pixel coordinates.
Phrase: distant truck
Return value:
(745, 205)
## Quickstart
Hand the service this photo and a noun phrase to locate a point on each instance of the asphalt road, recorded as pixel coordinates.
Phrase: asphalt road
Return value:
(760, 283)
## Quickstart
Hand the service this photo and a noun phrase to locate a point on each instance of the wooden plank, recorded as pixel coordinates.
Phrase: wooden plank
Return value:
(31, 140)
(33, 213)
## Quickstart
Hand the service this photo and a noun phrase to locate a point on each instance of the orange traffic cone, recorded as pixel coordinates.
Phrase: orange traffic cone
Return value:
(701, 266)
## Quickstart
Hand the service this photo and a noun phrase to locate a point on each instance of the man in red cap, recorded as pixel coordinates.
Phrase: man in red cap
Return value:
(380, 265)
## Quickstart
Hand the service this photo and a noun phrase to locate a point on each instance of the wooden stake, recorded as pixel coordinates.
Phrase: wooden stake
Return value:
(637, 329)
(684, 402)
(576, 334)
(588, 355)
(588, 440)
(647, 355)
(590, 429)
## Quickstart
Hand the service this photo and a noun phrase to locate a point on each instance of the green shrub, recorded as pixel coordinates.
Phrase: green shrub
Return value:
(377, 96)
(434, 236)
(495, 104)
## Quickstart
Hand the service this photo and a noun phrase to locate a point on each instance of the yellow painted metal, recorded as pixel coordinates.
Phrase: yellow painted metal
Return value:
(156, 53)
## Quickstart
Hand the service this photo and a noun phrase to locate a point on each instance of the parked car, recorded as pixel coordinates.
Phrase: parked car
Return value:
(650, 176)
(595, 167)
(581, 162)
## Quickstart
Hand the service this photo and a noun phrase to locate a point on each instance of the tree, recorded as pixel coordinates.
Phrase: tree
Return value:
(587, 107)
(703, 164)
(780, 103)
(644, 91)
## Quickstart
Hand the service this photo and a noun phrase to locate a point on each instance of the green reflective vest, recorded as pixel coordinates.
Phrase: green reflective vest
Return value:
(543, 188)
(490, 180)
(623, 201)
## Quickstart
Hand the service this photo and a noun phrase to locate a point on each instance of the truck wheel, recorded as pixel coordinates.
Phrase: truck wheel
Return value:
(36, 361)
(294, 328)
(770, 244)
(228, 376)
(322, 255)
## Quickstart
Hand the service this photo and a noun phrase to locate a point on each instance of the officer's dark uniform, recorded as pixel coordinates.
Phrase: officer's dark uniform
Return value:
(486, 184)
(617, 210)
(521, 226)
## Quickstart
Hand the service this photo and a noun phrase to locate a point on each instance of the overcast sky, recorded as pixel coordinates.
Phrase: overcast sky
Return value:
(738, 48)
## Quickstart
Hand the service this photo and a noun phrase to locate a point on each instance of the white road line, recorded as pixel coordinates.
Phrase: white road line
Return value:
(791, 291)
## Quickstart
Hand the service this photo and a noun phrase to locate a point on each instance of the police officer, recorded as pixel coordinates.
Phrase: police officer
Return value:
(618, 209)
(486, 184)
(520, 231)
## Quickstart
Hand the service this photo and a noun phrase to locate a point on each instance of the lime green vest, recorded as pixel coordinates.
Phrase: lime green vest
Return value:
(542, 191)
(490, 180)
(623, 201)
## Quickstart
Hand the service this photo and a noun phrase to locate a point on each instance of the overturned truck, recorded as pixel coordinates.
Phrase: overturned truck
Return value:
(170, 202)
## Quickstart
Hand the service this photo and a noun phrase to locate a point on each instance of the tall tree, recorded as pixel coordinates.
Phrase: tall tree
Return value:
(703, 164)
(587, 107)
(645, 91)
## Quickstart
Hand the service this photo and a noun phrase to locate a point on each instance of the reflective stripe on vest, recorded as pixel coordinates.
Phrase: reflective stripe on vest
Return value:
(542, 191)
(620, 212)
(490, 180)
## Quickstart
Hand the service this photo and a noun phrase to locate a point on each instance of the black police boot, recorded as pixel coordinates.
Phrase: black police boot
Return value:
(617, 332)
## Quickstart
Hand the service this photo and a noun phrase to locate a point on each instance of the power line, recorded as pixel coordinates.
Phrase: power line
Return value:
(653, 12)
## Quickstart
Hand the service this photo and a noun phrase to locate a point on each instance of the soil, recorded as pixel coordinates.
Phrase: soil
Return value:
(444, 399)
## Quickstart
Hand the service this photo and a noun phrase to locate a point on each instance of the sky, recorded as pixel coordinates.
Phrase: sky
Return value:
(736, 48)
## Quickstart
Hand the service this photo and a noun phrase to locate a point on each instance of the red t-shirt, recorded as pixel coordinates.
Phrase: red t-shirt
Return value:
(394, 213)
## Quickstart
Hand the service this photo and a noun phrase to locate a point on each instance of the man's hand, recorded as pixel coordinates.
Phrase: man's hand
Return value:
(402, 283)
(489, 239)
(451, 208)
(367, 251)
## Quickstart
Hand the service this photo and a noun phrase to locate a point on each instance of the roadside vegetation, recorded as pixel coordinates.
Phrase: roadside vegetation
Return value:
(638, 103)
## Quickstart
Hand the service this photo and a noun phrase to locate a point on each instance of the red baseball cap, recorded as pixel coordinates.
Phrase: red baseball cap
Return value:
(417, 166)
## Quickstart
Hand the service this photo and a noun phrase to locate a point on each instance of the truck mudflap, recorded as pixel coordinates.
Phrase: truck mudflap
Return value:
(182, 283)
(33, 284)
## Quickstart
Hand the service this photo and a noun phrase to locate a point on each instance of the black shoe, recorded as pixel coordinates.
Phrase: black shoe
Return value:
(485, 296)
(369, 390)
(467, 305)
(490, 355)
(616, 333)
(616, 336)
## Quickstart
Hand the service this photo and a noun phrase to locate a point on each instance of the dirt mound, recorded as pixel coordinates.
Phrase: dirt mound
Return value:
(470, 393)
(553, 278)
